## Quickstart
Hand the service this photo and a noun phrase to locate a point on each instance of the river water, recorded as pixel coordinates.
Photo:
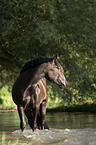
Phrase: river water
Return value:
(65, 129)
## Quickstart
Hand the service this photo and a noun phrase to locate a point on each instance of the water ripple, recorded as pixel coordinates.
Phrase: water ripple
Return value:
(59, 136)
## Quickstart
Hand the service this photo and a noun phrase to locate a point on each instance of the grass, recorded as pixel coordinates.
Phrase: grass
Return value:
(15, 142)
(4, 142)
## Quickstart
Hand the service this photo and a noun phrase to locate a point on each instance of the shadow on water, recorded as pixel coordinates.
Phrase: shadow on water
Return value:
(65, 129)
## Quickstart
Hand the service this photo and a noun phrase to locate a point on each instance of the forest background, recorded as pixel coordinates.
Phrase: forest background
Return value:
(30, 28)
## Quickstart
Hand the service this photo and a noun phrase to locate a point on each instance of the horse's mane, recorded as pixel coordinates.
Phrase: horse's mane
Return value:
(34, 62)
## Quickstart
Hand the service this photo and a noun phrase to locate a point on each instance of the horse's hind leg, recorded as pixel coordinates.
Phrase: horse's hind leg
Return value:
(41, 125)
(21, 116)
(32, 117)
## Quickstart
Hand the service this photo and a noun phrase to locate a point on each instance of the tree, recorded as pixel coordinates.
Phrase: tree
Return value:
(33, 28)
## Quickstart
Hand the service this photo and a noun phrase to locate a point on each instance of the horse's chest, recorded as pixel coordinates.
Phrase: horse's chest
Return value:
(35, 95)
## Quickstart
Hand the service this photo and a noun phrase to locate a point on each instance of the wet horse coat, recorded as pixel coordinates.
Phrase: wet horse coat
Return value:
(27, 88)
(42, 91)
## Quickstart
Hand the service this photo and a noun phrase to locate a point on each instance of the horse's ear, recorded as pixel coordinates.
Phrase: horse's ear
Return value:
(54, 59)
(55, 56)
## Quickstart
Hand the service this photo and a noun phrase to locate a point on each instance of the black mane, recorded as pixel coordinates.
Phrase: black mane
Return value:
(35, 62)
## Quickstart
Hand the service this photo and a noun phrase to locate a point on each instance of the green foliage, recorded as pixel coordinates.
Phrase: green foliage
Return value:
(38, 28)
(6, 101)
(53, 99)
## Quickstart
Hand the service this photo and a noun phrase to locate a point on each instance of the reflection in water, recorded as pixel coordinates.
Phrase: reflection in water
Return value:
(65, 129)
(71, 120)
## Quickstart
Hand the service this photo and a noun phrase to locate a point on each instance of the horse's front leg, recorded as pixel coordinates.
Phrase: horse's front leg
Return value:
(21, 116)
(36, 105)
(44, 124)
(35, 114)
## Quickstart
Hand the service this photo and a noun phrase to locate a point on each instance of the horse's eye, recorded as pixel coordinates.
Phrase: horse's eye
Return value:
(55, 66)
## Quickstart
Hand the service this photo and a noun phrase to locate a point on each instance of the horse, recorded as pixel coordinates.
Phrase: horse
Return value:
(26, 91)
(43, 93)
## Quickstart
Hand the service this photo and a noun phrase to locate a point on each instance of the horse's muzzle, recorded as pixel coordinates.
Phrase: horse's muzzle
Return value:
(62, 86)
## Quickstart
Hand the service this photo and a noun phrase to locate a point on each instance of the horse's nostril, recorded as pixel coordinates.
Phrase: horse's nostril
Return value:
(61, 86)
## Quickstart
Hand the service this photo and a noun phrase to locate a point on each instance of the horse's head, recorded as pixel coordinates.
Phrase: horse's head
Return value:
(56, 73)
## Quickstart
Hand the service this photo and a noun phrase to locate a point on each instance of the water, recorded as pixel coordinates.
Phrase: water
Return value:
(65, 129)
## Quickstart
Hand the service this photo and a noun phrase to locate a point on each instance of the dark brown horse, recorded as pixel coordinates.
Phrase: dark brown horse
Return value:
(27, 93)
(43, 94)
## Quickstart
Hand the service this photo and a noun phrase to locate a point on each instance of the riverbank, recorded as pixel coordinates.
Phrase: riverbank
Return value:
(91, 108)
(7, 110)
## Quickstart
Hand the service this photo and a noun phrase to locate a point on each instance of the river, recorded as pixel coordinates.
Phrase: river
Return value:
(65, 129)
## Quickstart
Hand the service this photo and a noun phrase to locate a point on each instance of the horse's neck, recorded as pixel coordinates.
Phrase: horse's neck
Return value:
(39, 72)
